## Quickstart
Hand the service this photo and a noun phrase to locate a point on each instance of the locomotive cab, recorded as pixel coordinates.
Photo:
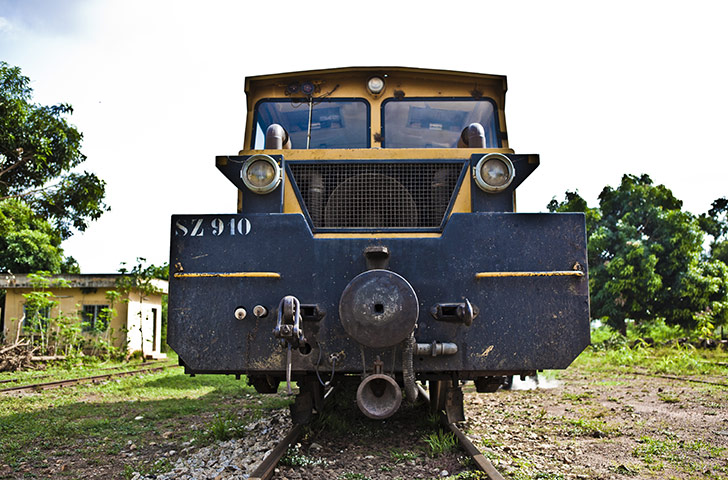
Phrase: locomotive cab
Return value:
(376, 242)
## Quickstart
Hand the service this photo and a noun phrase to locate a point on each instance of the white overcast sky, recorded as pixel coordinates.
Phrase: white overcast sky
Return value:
(598, 89)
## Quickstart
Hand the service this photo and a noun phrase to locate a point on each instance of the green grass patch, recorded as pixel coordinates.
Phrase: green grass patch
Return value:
(399, 456)
(589, 427)
(97, 420)
(440, 442)
(577, 397)
(681, 360)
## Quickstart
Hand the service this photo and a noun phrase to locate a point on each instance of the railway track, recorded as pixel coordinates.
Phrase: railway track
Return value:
(36, 387)
(39, 377)
(267, 468)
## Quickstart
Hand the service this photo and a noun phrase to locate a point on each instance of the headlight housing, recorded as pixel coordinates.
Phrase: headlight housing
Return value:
(494, 172)
(261, 174)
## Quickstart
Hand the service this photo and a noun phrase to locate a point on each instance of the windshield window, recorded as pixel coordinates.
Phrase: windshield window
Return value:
(436, 123)
(335, 123)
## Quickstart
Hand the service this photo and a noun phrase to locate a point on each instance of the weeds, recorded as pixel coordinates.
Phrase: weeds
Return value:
(440, 442)
(582, 427)
(146, 469)
(295, 458)
(399, 456)
(227, 426)
(668, 398)
(353, 476)
(468, 475)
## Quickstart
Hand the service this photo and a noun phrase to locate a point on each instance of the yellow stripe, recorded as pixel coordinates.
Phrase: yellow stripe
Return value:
(567, 273)
(230, 275)
(378, 235)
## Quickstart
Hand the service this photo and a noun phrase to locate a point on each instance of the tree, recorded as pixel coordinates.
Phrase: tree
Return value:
(38, 151)
(28, 243)
(715, 224)
(645, 258)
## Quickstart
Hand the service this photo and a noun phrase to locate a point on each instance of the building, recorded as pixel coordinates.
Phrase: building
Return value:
(136, 323)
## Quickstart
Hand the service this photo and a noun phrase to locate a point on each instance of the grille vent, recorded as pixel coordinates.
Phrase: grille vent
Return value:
(376, 195)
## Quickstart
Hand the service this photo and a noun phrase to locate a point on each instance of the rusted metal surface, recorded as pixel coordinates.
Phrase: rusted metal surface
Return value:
(378, 308)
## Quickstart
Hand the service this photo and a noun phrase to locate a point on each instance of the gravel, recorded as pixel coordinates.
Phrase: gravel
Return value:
(233, 459)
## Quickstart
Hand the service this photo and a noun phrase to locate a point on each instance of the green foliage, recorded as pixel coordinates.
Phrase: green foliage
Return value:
(399, 456)
(440, 442)
(28, 243)
(140, 278)
(645, 259)
(38, 150)
(52, 331)
(590, 427)
(715, 224)
(227, 426)
(51, 334)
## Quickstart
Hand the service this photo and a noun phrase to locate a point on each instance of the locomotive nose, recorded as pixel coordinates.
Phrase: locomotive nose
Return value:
(379, 308)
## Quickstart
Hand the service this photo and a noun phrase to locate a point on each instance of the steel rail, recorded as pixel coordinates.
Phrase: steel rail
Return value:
(483, 463)
(76, 381)
(265, 470)
(480, 461)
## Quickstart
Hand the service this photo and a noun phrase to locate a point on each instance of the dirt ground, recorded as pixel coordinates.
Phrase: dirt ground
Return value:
(579, 426)
(605, 427)
(582, 425)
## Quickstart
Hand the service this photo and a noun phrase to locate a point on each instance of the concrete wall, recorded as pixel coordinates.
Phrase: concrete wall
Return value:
(125, 324)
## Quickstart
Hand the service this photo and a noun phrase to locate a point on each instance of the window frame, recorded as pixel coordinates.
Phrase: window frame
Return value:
(90, 326)
(496, 120)
(304, 101)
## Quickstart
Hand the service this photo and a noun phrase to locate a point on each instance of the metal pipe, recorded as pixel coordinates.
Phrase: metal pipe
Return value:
(472, 136)
(276, 138)
(436, 349)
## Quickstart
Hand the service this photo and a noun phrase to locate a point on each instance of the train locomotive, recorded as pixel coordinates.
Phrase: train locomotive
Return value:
(376, 243)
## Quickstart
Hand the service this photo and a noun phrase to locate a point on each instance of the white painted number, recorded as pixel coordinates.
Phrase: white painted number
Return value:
(196, 227)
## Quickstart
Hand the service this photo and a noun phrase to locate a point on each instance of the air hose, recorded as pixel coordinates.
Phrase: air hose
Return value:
(408, 369)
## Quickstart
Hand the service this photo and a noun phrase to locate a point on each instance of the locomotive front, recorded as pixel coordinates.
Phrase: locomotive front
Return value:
(375, 241)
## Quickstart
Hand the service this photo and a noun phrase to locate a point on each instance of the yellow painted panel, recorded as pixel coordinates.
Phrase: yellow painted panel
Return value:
(290, 202)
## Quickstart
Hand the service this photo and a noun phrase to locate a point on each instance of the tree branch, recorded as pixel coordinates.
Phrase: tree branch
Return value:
(23, 159)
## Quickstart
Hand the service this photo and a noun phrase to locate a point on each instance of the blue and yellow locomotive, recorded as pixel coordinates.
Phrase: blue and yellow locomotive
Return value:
(376, 242)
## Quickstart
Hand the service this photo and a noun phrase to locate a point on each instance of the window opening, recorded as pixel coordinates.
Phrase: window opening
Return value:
(95, 318)
(315, 123)
(436, 122)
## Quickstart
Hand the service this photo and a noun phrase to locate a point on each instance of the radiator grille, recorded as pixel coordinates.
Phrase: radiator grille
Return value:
(376, 195)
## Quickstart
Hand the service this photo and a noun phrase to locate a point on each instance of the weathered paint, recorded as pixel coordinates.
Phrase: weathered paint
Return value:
(524, 322)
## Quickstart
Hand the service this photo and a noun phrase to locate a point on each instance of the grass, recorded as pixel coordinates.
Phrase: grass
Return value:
(669, 360)
(589, 427)
(399, 456)
(440, 442)
(83, 367)
(94, 421)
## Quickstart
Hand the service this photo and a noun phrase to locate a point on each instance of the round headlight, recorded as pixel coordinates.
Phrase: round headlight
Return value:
(261, 174)
(494, 172)
(375, 85)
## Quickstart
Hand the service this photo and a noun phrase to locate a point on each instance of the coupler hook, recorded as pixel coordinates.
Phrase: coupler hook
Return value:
(288, 330)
